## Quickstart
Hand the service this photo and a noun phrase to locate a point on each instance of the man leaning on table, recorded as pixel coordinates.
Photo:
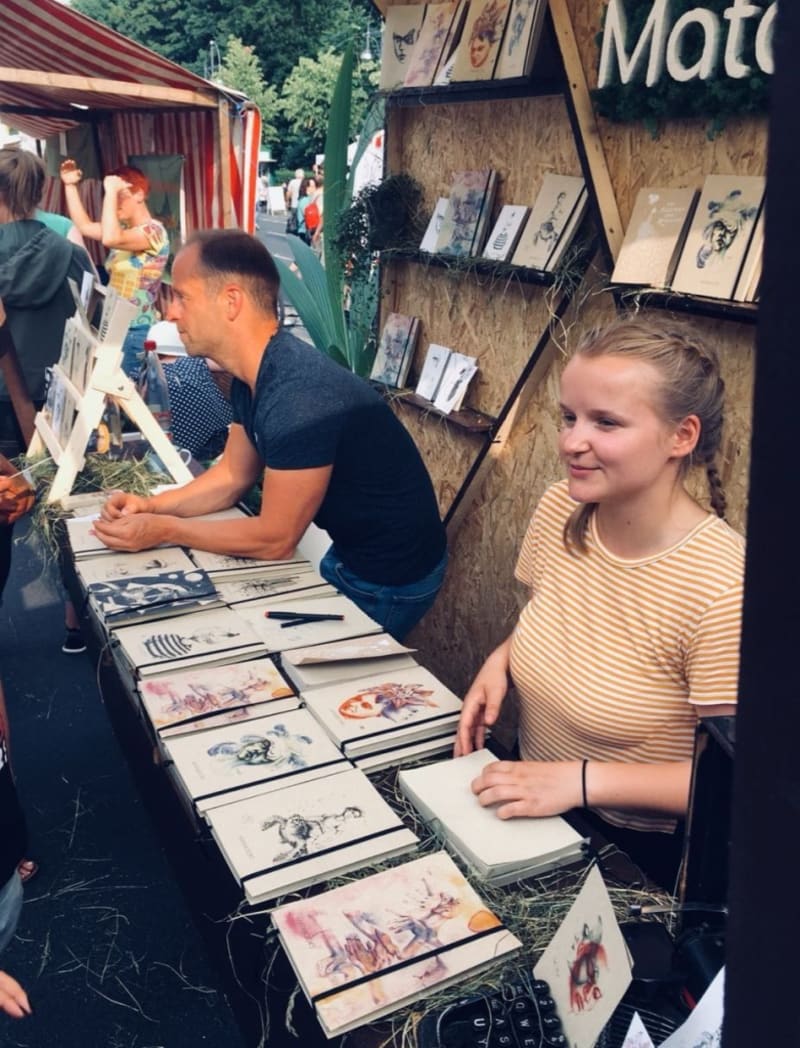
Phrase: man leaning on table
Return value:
(325, 445)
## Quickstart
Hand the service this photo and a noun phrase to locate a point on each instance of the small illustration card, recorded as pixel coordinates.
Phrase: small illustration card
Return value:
(428, 242)
(232, 762)
(432, 370)
(637, 1035)
(376, 711)
(703, 1028)
(587, 964)
(453, 386)
(197, 694)
(506, 232)
(396, 350)
(299, 835)
(365, 949)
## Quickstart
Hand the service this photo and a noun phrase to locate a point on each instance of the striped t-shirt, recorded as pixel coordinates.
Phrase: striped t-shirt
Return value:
(612, 657)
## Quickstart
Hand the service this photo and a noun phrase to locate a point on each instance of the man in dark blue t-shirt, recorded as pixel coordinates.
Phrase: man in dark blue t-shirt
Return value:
(329, 448)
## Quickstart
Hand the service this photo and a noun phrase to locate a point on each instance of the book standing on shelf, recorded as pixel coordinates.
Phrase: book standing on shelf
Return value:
(654, 238)
(430, 44)
(395, 350)
(307, 833)
(465, 205)
(476, 55)
(503, 239)
(719, 236)
(556, 212)
(403, 25)
(431, 235)
(747, 286)
(521, 39)
(407, 932)
(444, 71)
(456, 377)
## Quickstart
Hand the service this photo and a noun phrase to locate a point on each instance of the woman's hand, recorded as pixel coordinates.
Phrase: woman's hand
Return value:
(115, 184)
(483, 701)
(13, 999)
(70, 173)
(534, 788)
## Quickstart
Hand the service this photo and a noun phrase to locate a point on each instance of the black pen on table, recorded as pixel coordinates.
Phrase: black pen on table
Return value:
(293, 617)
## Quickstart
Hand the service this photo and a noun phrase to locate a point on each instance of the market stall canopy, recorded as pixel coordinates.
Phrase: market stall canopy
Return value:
(60, 69)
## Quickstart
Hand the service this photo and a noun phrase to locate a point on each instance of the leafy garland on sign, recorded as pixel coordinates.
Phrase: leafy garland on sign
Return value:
(718, 97)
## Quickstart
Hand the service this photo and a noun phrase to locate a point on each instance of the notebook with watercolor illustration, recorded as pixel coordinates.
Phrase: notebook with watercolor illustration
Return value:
(340, 619)
(401, 31)
(521, 39)
(376, 711)
(194, 695)
(430, 44)
(217, 637)
(560, 198)
(405, 933)
(465, 205)
(654, 237)
(444, 71)
(479, 47)
(395, 350)
(236, 761)
(719, 235)
(300, 835)
(499, 850)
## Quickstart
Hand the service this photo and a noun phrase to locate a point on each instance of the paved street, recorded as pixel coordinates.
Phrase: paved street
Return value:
(270, 231)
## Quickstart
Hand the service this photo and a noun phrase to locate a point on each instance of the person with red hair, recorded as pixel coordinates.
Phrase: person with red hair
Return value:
(138, 247)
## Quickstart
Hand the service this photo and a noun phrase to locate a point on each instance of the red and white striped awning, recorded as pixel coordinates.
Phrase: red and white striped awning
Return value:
(59, 68)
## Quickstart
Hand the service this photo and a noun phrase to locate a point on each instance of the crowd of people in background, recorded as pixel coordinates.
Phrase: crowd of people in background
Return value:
(305, 214)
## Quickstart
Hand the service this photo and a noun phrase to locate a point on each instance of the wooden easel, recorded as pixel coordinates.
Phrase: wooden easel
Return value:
(88, 373)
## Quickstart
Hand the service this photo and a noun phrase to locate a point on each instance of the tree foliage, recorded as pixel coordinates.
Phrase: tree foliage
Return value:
(241, 69)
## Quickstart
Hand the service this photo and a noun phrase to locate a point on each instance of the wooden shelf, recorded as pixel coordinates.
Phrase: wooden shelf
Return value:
(660, 298)
(465, 418)
(462, 265)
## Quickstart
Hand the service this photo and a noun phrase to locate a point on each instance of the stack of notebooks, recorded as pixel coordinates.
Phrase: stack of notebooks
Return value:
(444, 377)
(283, 624)
(386, 718)
(707, 243)
(301, 834)
(323, 664)
(274, 580)
(368, 948)
(395, 350)
(499, 851)
(232, 762)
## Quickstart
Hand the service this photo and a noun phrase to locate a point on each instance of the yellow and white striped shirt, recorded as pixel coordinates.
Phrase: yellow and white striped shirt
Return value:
(612, 657)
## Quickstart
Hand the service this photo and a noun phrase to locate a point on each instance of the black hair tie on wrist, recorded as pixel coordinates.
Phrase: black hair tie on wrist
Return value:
(584, 762)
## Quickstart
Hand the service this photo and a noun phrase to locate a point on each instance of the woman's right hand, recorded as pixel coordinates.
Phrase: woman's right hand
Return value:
(70, 173)
(483, 701)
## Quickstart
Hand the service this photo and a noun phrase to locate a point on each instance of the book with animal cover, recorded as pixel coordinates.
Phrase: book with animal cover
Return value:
(478, 49)
(395, 350)
(428, 242)
(719, 235)
(430, 44)
(294, 578)
(401, 30)
(498, 850)
(552, 210)
(376, 711)
(190, 696)
(399, 935)
(341, 619)
(236, 761)
(300, 835)
(115, 565)
(463, 212)
(430, 377)
(455, 379)
(155, 596)
(521, 39)
(505, 233)
(217, 636)
(654, 237)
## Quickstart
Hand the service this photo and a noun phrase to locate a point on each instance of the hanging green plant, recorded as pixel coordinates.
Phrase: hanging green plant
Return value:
(717, 96)
(386, 216)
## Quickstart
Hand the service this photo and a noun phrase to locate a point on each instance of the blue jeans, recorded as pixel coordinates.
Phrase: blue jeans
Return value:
(10, 907)
(396, 608)
(133, 350)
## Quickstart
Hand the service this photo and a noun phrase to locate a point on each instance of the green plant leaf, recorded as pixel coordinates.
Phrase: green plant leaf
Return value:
(306, 287)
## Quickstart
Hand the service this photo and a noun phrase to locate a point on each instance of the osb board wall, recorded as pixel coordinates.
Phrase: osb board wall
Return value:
(479, 602)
